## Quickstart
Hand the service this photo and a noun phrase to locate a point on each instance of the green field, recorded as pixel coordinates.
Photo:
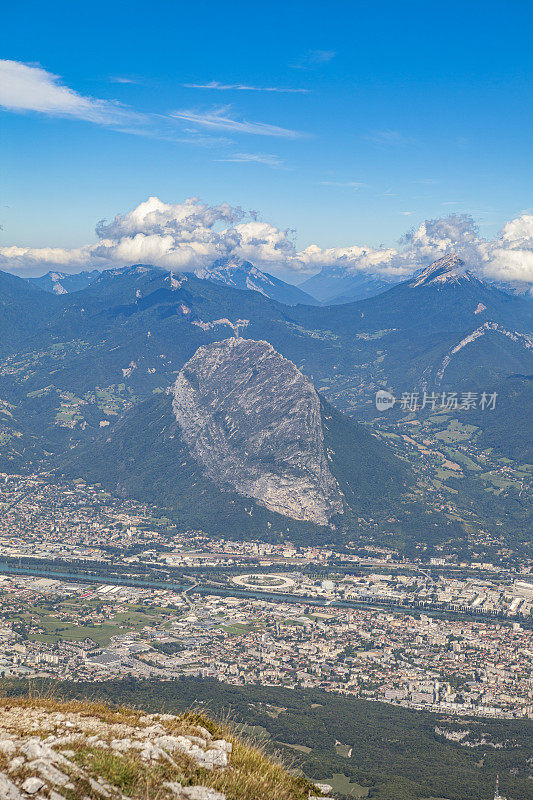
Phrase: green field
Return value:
(55, 629)
(237, 628)
(456, 432)
(341, 784)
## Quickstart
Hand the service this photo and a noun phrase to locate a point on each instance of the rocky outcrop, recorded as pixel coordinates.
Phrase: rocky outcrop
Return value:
(61, 751)
(252, 421)
(46, 750)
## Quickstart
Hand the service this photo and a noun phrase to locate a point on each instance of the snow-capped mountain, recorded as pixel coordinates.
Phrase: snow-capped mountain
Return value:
(335, 285)
(62, 283)
(447, 270)
(442, 328)
(242, 274)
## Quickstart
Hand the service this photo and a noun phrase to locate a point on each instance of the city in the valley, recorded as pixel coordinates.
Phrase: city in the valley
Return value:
(93, 587)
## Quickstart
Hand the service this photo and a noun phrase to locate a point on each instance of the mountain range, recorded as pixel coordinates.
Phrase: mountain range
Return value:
(336, 285)
(63, 283)
(242, 274)
(234, 272)
(333, 285)
(85, 377)
(243, 443)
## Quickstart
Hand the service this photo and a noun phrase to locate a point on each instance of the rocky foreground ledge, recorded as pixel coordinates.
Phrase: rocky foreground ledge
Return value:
(78, 751)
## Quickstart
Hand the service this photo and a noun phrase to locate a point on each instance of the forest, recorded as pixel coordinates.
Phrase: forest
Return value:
(375, 750)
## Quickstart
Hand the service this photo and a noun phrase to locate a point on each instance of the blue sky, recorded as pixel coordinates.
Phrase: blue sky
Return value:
(398, 112)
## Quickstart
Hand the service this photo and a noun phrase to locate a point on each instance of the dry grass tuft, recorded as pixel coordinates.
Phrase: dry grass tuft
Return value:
(252, 774)
(109, 714)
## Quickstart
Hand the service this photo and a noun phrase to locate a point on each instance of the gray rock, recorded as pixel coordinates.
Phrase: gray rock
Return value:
(214, 758)
(221, 744)
(32, 785)
(201, 793)
(196, 740)
(7, 747)
(97, 787)
(182, 744)
(174, 786)
(123, 745)
(47, 771)
(252, 421)
(8, 790)
(204, 732)
(35, 748)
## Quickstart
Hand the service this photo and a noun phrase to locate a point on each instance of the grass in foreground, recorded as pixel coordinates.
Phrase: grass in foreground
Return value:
(250, 775)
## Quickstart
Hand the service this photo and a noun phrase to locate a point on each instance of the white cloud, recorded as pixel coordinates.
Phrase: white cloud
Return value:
(185, 220)
(510, 255)
(507, 257)
(519, 232)
(441, 234)
(25, 87)
(218, 119)
(389, 138)
(314, 58)
(123, 79)
(243, 87)
(182, 236)
(343, 184)
(253, 158)
(35, 260)
(349, 259)
(265, 244)
(191, 235)
(28, 88)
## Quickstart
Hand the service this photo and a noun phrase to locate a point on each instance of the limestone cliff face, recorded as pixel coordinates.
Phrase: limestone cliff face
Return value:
(252, 421)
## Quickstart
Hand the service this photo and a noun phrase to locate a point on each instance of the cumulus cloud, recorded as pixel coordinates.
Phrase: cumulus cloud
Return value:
(35, 260)
(191, 235)
(350, 259)
(181, 236)
(265, 244)
(189, 220)
(508, 257)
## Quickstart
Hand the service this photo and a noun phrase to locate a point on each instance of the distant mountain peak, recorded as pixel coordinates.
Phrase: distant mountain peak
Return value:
(448, 269)
(236, 272)
(241, 274)
(133, 269)
(59, 283)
